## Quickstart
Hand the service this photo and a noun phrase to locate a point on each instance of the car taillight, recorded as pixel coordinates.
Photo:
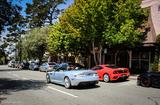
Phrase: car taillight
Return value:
(115, 72)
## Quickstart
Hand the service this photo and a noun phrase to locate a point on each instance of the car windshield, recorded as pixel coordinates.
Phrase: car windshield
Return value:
(51, 63)
(112, 66)
(71, 66)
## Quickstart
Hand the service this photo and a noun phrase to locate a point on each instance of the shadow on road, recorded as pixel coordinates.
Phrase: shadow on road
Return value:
(80, 87)
(85, 87)
(10, 85)
(5, 70)
(119, 81)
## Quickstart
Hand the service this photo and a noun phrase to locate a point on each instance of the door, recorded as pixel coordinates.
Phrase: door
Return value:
(122, 59)
(59, 76)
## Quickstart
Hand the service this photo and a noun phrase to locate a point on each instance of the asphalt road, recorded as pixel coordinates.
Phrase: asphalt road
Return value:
(25, 87)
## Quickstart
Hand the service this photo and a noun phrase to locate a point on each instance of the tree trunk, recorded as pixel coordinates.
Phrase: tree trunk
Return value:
(100, 55)
(94, 54)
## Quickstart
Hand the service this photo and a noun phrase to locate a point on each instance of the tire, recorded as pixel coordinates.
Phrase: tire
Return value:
(48, 78)
(67, 83)
(146, 82)
(106, 78)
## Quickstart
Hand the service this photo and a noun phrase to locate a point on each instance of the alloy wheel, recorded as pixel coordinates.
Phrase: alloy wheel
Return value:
(67, 83)
(106, 78)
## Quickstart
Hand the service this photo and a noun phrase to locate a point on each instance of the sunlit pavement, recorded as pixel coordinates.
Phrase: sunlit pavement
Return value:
(25, 87)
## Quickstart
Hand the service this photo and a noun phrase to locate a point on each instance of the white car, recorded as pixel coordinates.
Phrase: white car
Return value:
(74, 77)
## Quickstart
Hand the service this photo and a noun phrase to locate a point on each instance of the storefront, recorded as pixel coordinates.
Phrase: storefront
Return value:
(138, 59)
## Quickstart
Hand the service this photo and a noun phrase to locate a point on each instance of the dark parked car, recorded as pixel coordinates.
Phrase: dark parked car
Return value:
(149, 79)
(24, 65)
(34, 66)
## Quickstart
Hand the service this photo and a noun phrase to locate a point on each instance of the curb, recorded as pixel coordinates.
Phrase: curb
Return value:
(133, 77)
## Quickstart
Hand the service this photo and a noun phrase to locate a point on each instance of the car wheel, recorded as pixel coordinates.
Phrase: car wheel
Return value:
(67, 83)
(48, 78)
(145, 82)
(106, 78)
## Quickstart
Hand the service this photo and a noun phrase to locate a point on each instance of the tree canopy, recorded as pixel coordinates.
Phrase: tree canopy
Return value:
(9, 14)
(34, 43)
(41, 12)
(96, 23)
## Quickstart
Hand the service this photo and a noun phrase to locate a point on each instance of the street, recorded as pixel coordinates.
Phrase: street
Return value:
(25, 87)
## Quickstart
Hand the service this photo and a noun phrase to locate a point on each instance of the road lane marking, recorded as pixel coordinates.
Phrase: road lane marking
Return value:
(62, 92)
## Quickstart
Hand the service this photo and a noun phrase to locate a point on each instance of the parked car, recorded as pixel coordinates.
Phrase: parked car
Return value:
(34, 66)
(47, 66)
(111, 73)
(71, 75)
(11, 63)
(148, 79)
(17, 64)
(24, 65)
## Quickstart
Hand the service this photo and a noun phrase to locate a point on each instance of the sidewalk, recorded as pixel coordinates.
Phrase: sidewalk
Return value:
(133, 77)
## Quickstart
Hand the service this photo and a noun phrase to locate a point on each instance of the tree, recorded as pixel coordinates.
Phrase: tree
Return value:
(9, 14)
(100, 22)
(3, 54)
(62, 43)
(42, 12)
(126, 23)
(34, 43)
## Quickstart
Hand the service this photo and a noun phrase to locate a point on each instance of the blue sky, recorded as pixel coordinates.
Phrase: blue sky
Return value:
(23, 4)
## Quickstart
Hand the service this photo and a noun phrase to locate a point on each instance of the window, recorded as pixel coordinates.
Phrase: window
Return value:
(97, 68)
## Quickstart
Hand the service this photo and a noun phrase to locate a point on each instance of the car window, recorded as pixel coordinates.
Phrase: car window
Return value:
(60, 69)
(112, 66)
(51, 63)
(97, 68)
(43, 64)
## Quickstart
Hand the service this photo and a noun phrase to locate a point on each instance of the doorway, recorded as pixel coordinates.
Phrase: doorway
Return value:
(122, 59)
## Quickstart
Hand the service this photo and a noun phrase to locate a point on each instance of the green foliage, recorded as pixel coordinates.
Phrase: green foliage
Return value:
(125, 23)
(87, 24)
(58, 41)
(42, 12)
(157, 54)
(105, 21)
(158, 41)
(9, 14)
(34, 43)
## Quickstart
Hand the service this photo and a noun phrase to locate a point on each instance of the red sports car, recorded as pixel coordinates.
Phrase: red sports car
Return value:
(111, 73)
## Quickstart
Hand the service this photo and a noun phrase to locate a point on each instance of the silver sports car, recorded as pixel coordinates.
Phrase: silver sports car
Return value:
(71, 75)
